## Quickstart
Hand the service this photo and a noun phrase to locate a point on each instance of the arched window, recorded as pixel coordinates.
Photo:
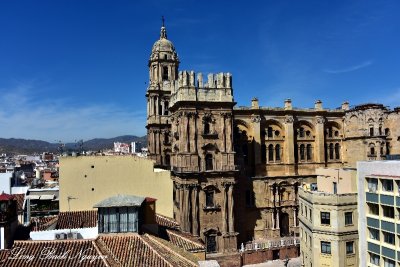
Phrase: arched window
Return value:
(263, 153)
(167, 160)
(372, 150)
(330, 132)
(165, 74)
(302, 152)
(371, 131)
(209, 162)
(277, 152)
(331, 150)
(387, 148)
(337, 151)
(206, 127)
(309, 152)
(271, 153)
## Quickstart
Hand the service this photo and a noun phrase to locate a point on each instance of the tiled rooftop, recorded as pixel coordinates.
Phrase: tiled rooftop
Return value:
(77, 219)
(130, 250)
(185, 241)
(166, 222)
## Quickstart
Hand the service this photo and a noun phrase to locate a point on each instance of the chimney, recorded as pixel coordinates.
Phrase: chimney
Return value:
(288, 104)
(318, 105)
(254, 103)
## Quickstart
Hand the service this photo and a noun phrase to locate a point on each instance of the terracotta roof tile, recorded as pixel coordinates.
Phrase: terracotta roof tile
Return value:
(54, 254)
(173, 254)
(77, 219)
(185, 241)
(166, 222)
(43, 223)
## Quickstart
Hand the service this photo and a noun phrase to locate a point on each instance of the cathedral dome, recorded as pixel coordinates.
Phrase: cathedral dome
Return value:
(163, 46)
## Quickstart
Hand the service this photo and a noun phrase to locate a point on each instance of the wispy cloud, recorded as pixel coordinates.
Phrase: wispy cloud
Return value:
(349, 69)
(23, 116)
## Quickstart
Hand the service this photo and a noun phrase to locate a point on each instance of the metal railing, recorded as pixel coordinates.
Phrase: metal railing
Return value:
(269, 244)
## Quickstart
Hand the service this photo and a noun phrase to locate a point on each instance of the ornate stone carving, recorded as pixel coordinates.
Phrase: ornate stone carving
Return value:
(289, 119)
(256, 119)
(320, 120)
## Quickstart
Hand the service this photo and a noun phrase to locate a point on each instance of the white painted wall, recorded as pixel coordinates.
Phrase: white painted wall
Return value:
(87, 233)
(5, 183)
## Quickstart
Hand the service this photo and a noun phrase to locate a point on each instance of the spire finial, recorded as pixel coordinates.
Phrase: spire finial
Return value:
(163, 34)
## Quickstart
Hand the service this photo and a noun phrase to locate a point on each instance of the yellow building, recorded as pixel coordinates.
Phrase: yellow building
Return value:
(328, 219)
(88, 180)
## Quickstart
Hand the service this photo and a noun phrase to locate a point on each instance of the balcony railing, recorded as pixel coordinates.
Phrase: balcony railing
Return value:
(276, 243)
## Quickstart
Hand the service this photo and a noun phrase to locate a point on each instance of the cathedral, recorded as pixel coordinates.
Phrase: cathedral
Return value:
(236, 170)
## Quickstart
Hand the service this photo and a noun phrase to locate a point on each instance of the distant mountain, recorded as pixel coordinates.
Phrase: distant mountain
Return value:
(23, 146)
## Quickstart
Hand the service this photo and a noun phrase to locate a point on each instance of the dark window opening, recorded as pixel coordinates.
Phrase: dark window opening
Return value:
(380, 130)
(387, 132)
(309, 152)
(270, 153)
(209, 162)
(206, 128)
(330, 132)
(337, 151)
(166, 107)
(387, 149)
(302, 155)
(325, 247)
(160, 109)
(331, 151)
(372, 150)
(165, 74)
(209, 198)
(325, 218)
(211, 244)
(277, 152)
(371, 131)
(167, 160)
(348, 218)
(269, 131)
(165, 57)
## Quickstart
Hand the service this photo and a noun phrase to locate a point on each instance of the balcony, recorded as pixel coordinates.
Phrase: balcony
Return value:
(270, 244)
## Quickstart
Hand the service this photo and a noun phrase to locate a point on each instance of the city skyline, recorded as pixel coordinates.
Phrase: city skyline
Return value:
(77, 70)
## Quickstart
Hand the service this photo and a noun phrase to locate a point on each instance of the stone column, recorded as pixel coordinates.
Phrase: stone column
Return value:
(224, 210)
(187, 136)
(277, 200)
(277, 218)
(229, 133)
(319, 140)
(257, 139)
(230, 205)
(223, 117)
(181, 205)
(289, 140)
(186, 225)
(294, 217)
(157, 105)
(273, 219)
(195, 211)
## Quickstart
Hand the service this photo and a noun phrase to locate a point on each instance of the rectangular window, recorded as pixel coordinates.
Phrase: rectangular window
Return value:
(388, 263)
(310, 215)
(348, 218)
(374, 234)
(372, 185)
(325, 218)
(373, 209)
(350, 247)
(388, 211)
(325, 247)
(209, 198)
(388, 238)
(387, 185)
(374, 259)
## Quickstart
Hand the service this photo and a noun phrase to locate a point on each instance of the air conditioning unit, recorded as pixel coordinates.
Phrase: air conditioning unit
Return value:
(60, 236)
(73, 235)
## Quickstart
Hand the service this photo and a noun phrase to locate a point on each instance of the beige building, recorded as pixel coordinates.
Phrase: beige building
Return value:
(328, 219)
(88, 180)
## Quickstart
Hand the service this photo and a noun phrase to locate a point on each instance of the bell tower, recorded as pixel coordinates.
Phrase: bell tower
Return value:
(163, 69)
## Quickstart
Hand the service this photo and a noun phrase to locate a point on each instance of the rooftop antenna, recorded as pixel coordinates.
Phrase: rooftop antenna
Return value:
(69, 209)
(163, 21)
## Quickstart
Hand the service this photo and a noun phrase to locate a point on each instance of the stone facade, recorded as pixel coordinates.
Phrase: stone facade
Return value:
(236, 170)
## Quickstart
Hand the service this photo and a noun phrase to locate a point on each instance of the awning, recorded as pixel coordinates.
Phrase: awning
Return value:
(32, 197)
(46, 197)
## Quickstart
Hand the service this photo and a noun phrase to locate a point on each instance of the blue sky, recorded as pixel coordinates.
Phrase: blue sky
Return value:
(77, 69)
